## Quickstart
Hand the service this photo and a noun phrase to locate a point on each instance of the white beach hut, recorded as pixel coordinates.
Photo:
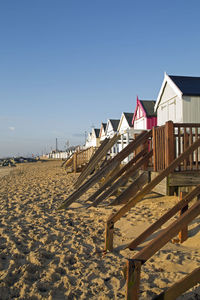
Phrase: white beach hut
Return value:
(102, 134)
(93, 139)
(124, 127)
(111, 129)
(178, 100)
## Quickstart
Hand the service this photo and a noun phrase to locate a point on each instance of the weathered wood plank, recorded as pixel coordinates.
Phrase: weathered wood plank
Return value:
(137, 185)
(96, 158)
(161, 187)
(115, 176)
(169, 143)
(168, 233)
(154, 149)
(133, 268)
(183, 234)
(162, 220)
(182, 125)
(123, 179)
(184, 179)
(180, 287)
(75, 162)
(66, 160)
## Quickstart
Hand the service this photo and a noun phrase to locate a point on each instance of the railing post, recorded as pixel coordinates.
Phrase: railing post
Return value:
(154, 149)
(183, 234)
(169, 143)
(75, 162)
(133, 270)
(109, 235)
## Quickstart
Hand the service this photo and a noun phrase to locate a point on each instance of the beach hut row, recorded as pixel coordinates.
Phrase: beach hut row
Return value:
(164, 157)
(178, 100)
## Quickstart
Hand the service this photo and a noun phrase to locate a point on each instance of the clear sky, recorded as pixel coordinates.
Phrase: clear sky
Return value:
(67, 65)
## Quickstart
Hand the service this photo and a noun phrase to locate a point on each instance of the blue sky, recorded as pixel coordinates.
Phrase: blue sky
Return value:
(67, 65)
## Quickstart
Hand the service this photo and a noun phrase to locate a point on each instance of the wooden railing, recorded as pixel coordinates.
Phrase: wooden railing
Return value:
(82, 157)
(134, 199)
(133, 266)
(170, 141)
(185, 135)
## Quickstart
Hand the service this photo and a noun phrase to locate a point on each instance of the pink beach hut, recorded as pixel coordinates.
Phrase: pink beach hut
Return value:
(144, 116)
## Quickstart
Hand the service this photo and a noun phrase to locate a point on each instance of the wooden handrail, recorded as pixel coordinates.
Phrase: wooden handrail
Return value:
(168, 233)
(135, 199)
(162, 220)
(182, 125)
(181, 286)
(155, 245)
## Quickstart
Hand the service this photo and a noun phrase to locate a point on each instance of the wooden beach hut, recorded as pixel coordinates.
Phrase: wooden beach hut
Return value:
(144, 116)
(111, 130)
(125, 124)
(102, 133)
(178, 100)
(93, 139)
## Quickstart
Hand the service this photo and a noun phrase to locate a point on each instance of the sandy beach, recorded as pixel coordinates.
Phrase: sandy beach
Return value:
(51, 254)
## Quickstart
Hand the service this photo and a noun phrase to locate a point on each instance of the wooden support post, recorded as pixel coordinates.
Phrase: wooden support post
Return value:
(133, 269)
(154, 149)
(109, 236)
(75, 162)
(183, 234)
(169, 143)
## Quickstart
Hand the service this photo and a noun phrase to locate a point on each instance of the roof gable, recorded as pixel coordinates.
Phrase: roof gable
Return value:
(182, 85)
(96, 132)
(113, 124)
(102, 129)
(147, 108)
(129, 118)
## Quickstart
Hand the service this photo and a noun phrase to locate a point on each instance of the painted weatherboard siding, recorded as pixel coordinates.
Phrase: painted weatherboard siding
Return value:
(170, 107)
(151, 122)
(140, 123)
(123, 125)
(191, 109)
(109, 130)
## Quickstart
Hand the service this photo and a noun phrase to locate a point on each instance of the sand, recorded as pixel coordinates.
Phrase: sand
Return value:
(50, 254)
